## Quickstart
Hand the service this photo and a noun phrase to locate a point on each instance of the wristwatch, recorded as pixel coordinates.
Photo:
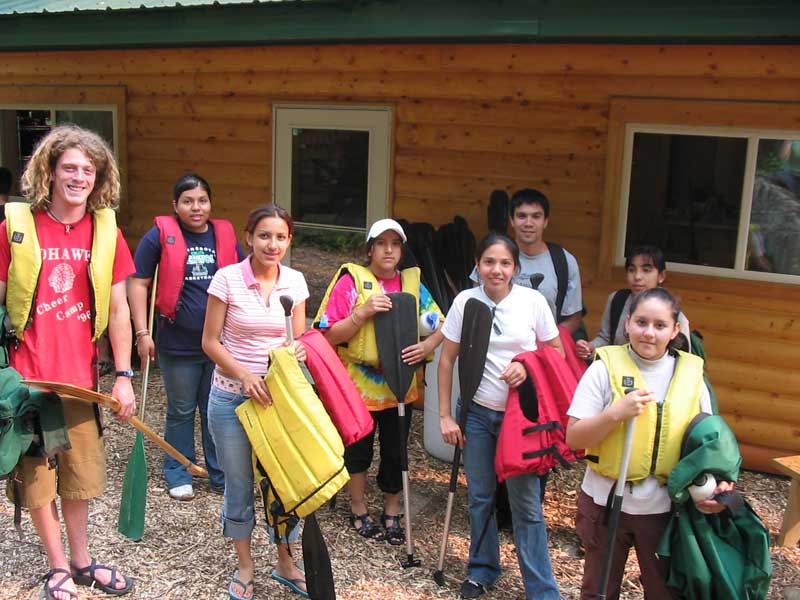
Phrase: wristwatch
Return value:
(124, 373)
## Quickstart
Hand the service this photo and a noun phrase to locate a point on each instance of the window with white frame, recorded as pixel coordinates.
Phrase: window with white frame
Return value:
(23, 125)
(717, 201)
(331, 167)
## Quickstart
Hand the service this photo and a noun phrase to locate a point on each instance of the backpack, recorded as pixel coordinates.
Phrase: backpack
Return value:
(559, 258)
(615, 314)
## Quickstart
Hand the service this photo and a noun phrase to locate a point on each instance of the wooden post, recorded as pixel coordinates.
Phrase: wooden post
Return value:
(790, 530)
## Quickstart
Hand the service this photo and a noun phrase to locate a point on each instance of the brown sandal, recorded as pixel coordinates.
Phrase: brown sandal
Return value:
(85, 576)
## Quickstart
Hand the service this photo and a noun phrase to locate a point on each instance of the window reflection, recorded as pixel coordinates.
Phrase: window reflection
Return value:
(330, 170)
(774, 233)
(685, 196)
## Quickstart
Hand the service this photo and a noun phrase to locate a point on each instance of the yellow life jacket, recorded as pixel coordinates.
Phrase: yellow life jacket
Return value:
(362, 347)
(26, 265)
(660, 428)
(298, 455)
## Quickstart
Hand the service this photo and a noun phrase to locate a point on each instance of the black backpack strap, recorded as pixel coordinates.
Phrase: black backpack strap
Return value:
(617, 304)
(559, 258)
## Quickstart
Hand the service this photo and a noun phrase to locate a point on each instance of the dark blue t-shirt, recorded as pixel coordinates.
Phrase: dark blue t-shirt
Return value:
(183, 337)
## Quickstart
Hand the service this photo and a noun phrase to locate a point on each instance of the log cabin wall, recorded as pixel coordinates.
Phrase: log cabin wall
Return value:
(468, 119)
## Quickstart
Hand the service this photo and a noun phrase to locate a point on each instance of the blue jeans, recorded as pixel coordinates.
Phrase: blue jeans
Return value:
(187, 381)
(530, 532)
(236, 459)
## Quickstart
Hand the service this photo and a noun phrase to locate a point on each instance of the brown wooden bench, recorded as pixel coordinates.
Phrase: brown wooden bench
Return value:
(790, 530)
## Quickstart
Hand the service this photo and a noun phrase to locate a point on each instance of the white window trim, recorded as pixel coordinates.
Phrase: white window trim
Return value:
(376, 119)
(53, 108)
(752, 136)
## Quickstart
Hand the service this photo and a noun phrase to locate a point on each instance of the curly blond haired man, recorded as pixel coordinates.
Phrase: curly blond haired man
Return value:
(63, 266)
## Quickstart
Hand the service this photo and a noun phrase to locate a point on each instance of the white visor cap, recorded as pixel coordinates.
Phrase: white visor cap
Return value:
(381, 225)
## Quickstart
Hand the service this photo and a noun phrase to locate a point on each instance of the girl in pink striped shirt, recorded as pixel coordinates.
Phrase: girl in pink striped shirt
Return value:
(244, 321)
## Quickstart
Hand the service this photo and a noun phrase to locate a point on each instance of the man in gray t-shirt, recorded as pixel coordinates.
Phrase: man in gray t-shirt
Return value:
(529, 212)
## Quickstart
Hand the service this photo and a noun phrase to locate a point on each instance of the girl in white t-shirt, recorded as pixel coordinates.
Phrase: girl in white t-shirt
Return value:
(645, 268)
(599, 407)
(521, 319)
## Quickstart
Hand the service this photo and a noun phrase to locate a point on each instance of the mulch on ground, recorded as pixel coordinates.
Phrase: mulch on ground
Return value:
(183, 554)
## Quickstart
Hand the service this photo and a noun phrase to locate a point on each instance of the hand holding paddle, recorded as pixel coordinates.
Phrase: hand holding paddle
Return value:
(122, 392)
(377, 303)
(631, 404)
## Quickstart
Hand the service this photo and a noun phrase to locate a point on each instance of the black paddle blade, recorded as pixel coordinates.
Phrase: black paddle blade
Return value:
(394, 330)
(317, 561)
(536, 280)
(476, 328)
(287, 303)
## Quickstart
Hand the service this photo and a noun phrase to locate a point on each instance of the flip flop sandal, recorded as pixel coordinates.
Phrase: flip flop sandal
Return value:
(395, 534)
(292, 584)
(368, 528)
(50, 591)
(86, 577)
(236, 581)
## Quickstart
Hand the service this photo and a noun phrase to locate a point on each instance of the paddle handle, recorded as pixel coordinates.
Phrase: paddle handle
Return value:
(150, 319)
(626, 457)
(194, 469)
(113, 404)
(616, 507)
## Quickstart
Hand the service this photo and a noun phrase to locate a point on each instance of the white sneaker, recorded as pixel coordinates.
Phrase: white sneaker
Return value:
(182, 492)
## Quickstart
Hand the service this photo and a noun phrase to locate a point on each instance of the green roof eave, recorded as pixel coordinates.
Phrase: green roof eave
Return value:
(342, 21)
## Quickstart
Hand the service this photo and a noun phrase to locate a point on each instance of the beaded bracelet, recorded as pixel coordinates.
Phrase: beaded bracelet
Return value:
(142, 333)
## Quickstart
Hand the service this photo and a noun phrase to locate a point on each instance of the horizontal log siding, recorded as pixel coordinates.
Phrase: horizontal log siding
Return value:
(469, 119)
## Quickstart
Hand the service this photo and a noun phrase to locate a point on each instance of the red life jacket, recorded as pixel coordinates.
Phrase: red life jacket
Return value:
(338, 393)
(577, 365)
(532, 436)
(172, 265)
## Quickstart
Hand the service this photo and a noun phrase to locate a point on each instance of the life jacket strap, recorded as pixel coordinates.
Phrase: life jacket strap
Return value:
(549, 426)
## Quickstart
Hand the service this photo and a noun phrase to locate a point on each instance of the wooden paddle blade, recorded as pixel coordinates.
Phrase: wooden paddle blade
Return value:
(317, 561)
(394, 330)
(134, 493)
(476, 328)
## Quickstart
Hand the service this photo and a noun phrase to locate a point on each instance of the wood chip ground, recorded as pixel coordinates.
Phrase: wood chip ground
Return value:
(183, 554)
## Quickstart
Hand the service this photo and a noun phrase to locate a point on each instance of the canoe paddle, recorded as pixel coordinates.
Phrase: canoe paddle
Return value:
(67, 390)
(476, 327)
(317, 560)
(394, 330)
(133, 502)
(616, 504)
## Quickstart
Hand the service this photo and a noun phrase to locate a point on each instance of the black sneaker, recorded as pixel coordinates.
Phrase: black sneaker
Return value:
(471, 589)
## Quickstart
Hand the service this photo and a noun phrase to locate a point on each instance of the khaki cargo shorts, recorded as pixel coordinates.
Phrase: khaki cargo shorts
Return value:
(80, 473)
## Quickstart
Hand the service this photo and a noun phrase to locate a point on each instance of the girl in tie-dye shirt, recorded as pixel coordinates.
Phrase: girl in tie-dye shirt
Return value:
(341, 319)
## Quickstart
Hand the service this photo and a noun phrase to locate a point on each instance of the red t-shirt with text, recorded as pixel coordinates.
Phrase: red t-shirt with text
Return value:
(58, 344)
